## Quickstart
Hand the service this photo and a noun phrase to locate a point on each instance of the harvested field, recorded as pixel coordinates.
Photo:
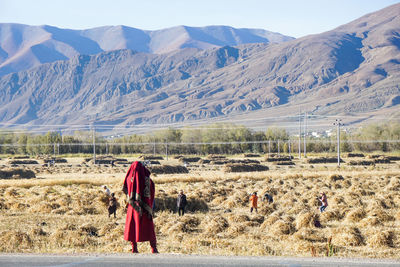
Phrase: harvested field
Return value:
(63, 210)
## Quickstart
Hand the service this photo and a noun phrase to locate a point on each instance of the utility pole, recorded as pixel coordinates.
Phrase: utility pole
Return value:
(289, 148)
(269, 148)
(338, 123)
(166, 149)
(279, 149)
(299, 134)
(305, 135)
(154, 147)
(94, 145)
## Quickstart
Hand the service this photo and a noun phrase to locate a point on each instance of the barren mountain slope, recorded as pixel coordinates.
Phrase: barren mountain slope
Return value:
(353, 69)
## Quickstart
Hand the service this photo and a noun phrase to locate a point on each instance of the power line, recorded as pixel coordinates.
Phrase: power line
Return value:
(199, 143)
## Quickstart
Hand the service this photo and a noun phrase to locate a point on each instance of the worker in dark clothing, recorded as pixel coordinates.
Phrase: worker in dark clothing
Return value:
(181, 203)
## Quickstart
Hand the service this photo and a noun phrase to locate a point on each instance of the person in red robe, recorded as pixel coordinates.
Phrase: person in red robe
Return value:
(139, 188)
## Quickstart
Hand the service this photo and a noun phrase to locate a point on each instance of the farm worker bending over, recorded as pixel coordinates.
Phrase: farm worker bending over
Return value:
(107, 191)
(253, 200)
(324, 202)
(268, 197)
(112, 206)
(139, 188)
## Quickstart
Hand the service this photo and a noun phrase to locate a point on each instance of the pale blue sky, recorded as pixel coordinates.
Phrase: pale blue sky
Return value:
(290, 17)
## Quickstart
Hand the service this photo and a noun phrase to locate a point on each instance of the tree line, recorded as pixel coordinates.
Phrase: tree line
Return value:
(221, 138)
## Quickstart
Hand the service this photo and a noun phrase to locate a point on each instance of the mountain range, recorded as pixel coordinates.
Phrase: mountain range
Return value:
(23, 46)
(350, 71)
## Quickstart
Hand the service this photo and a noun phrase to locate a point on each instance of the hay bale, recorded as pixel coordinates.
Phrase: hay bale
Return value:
(239, 199)
(14, 240)
(89, 230)
(369, 221)
(278, 158)
(17, 173)
(245, 161)
(215, 157)
(258, 218)
(238, 218)
(266, 209)
(219, 162)
(284, 163)
(236, 229)
(20, 162)
(309, 235)
(204, 161)
(356, 215)
(107, 228)
(281, 227)
(382, 160)
(186, 224)
(381, 215)
(394, 184)
(336, 177)
(306, 219)
(331, 215)
(380, 239)
(347, 236)
(245, 168)
(56, 160)
(355, 155)
(154, 162)
(196, 204)
(189, 159)
(250, 155)
(215, 224)
(21, 157)
(151, 157)
(394, 158)
(374, 156)
(361, 162)
(323, 160)
(168, 169)
(270, 220)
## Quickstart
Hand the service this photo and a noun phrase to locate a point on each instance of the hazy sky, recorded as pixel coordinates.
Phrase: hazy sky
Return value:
(290, 17)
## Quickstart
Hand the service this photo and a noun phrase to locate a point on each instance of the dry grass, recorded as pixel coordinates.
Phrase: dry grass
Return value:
(64, 209)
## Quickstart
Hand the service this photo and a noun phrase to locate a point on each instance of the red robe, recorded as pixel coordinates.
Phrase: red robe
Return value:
(139, 187)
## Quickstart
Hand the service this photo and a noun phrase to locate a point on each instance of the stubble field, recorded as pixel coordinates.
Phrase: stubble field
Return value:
(63, 210)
